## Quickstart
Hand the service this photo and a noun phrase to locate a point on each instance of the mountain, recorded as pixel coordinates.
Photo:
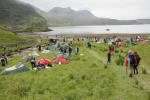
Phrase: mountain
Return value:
(68, 17)
(15, 15)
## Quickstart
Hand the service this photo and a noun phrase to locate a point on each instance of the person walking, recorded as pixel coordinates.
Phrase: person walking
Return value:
(137, 59)
(131, 63)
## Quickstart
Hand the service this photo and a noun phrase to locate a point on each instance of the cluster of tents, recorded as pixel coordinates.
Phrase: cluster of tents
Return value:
(59, 60)
(122, 42)
(21, 67)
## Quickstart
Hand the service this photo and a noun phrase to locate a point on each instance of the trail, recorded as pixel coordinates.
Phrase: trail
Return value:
(97, 55)
(142, 83)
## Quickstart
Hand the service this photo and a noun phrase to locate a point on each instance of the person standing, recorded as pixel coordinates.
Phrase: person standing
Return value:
(131, 63)
(40, 48)
(6, 58)
(70, 50)
(78, 50)
(2, 61)
(89, 45)
(109, 55)
(33, 62)
(137, 59)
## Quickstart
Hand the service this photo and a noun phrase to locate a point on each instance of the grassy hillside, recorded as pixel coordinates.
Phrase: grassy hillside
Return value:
(15, 15)
(84, 78)
(8, 37)
(12, 41)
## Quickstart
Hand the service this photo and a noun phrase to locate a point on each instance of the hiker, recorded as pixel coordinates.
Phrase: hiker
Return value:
(33, 62)
(112, 48)
(109, 48)
(109, 57)
(70, 50)
(136, 63)
(131, 62)
(78, 50)
(127, 63)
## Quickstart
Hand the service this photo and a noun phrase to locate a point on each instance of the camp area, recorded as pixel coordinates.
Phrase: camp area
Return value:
(77, 70)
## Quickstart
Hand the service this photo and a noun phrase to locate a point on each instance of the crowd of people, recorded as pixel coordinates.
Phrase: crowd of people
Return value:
(133, 61)
(64, 49)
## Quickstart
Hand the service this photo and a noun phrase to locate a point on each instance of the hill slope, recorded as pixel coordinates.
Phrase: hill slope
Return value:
(15, 15)
(84, 78)
(8, 37)
(13, 42)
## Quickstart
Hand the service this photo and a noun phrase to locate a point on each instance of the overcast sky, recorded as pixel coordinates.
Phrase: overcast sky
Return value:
(117, 9)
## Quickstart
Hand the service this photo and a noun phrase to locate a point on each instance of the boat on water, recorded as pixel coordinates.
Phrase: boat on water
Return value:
(107, 29)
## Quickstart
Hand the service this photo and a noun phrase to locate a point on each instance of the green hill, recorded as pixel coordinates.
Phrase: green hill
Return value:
(8, 37)
(12, 41)
(84, 78)
(15, 15)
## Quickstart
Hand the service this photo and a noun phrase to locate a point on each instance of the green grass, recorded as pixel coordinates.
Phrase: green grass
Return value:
(8, 37)
(12, 42)
(82, 79)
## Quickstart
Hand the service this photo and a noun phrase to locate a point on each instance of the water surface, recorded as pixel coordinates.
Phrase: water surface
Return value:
(107, 29)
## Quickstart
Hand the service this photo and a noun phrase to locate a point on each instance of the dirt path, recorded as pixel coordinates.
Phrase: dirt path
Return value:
(96, 55)
(141, 83)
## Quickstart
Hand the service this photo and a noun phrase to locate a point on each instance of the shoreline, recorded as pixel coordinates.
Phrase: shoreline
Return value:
(144, 35)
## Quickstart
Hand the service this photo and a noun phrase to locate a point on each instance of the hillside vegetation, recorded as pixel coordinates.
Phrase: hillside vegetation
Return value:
(15, 15)
(84, 78)
(12, 41)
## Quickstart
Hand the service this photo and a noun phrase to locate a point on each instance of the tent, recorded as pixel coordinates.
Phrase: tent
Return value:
(15, 69)
(145, 42)
(61, 60)
(63, 55)
(120, 43)
(127, 42)
(45, 62)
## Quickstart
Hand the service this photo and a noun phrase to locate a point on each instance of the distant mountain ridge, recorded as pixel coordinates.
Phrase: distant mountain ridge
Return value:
(68, 17)
(15, 15)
